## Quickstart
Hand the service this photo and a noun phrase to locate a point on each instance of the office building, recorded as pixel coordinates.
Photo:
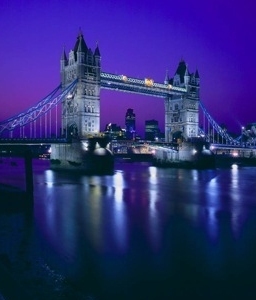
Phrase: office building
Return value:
(130, 124)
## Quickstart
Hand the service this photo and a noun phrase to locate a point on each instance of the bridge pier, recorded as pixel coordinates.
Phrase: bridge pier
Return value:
(27, 196)
(90, 156)
(194, 154)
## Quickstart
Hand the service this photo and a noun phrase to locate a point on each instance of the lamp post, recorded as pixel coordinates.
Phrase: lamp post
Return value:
(242, 134)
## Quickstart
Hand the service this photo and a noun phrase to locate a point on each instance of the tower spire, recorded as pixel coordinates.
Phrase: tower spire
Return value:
(80, 43)
(63, 55)
(166, 80)
(63, 59)
(97, 50)
(80, 33)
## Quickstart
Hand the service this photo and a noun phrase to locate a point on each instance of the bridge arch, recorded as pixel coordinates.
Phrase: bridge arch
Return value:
(73, 131)
(177, 136)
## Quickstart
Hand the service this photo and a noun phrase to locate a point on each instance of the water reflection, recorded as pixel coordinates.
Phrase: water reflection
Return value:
(117, 224)
(213, 205)
(110, 203)
(120, 219)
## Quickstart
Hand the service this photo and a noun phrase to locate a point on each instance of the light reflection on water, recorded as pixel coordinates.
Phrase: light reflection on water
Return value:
(107, 203)
(148, 228)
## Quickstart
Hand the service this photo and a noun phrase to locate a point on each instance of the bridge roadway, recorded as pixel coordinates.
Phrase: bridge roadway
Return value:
(120, 147)
(47, 141)
(227, 155)
(216, 148)
(33, 141)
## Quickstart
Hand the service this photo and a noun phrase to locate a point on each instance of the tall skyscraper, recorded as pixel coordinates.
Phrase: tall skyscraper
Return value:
(130, 120)
(151, 130)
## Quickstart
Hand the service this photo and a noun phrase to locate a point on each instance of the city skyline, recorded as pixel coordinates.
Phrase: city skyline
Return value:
(140, 39)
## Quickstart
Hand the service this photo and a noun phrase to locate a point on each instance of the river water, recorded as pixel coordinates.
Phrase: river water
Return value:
(143, 233)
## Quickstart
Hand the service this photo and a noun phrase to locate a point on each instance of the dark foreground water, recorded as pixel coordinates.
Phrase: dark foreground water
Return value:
(143, 233)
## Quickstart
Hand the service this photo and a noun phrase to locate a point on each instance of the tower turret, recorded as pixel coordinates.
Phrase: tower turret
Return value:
(197, 77)
(63, 64)
(182, 76)
(80, 43)
(63, 60)
(166, 80)
(97, 51)
(97, 59)
(186, 77)
(80, 53)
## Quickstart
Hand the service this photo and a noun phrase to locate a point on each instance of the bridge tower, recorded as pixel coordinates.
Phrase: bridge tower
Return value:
(85, 151)
(81, 110)
(182, 111)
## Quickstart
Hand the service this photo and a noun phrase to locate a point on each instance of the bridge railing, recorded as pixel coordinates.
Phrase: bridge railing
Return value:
(39, 110)
(209, 133)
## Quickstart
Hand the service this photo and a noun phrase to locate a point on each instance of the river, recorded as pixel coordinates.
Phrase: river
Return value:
(142, 233)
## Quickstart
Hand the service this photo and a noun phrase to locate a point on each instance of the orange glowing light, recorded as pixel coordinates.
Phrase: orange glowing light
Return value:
(149, 82)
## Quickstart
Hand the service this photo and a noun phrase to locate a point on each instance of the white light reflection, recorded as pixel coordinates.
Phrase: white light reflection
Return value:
(153, 214)
(153, 175)
(154, 220)
(49, 206)
(120, 219)
(195, 175)
(49, 177)
(234, 174)
(119, 184)
(212, 200)
(236, 199)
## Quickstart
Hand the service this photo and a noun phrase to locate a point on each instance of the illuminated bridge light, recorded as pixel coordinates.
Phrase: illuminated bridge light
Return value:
(149, 82)
(124, 78)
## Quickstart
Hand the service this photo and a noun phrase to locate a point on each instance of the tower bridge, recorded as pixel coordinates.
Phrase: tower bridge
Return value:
(78, 98)
(77, 102)
(81, 109)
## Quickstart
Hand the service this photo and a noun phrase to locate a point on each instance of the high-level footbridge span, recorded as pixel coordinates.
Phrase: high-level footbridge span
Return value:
(145, 86)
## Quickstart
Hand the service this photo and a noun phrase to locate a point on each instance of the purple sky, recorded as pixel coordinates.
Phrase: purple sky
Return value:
(141, 38)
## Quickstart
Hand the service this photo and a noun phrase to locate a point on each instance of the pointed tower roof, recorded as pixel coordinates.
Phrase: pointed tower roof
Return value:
(197, 74)
(80, 44)
(90, 52)
(182, 70)
(166, 80)
(97, 50)
(64, 56)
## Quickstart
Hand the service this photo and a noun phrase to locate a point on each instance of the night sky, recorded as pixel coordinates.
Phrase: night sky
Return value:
(141, 38)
